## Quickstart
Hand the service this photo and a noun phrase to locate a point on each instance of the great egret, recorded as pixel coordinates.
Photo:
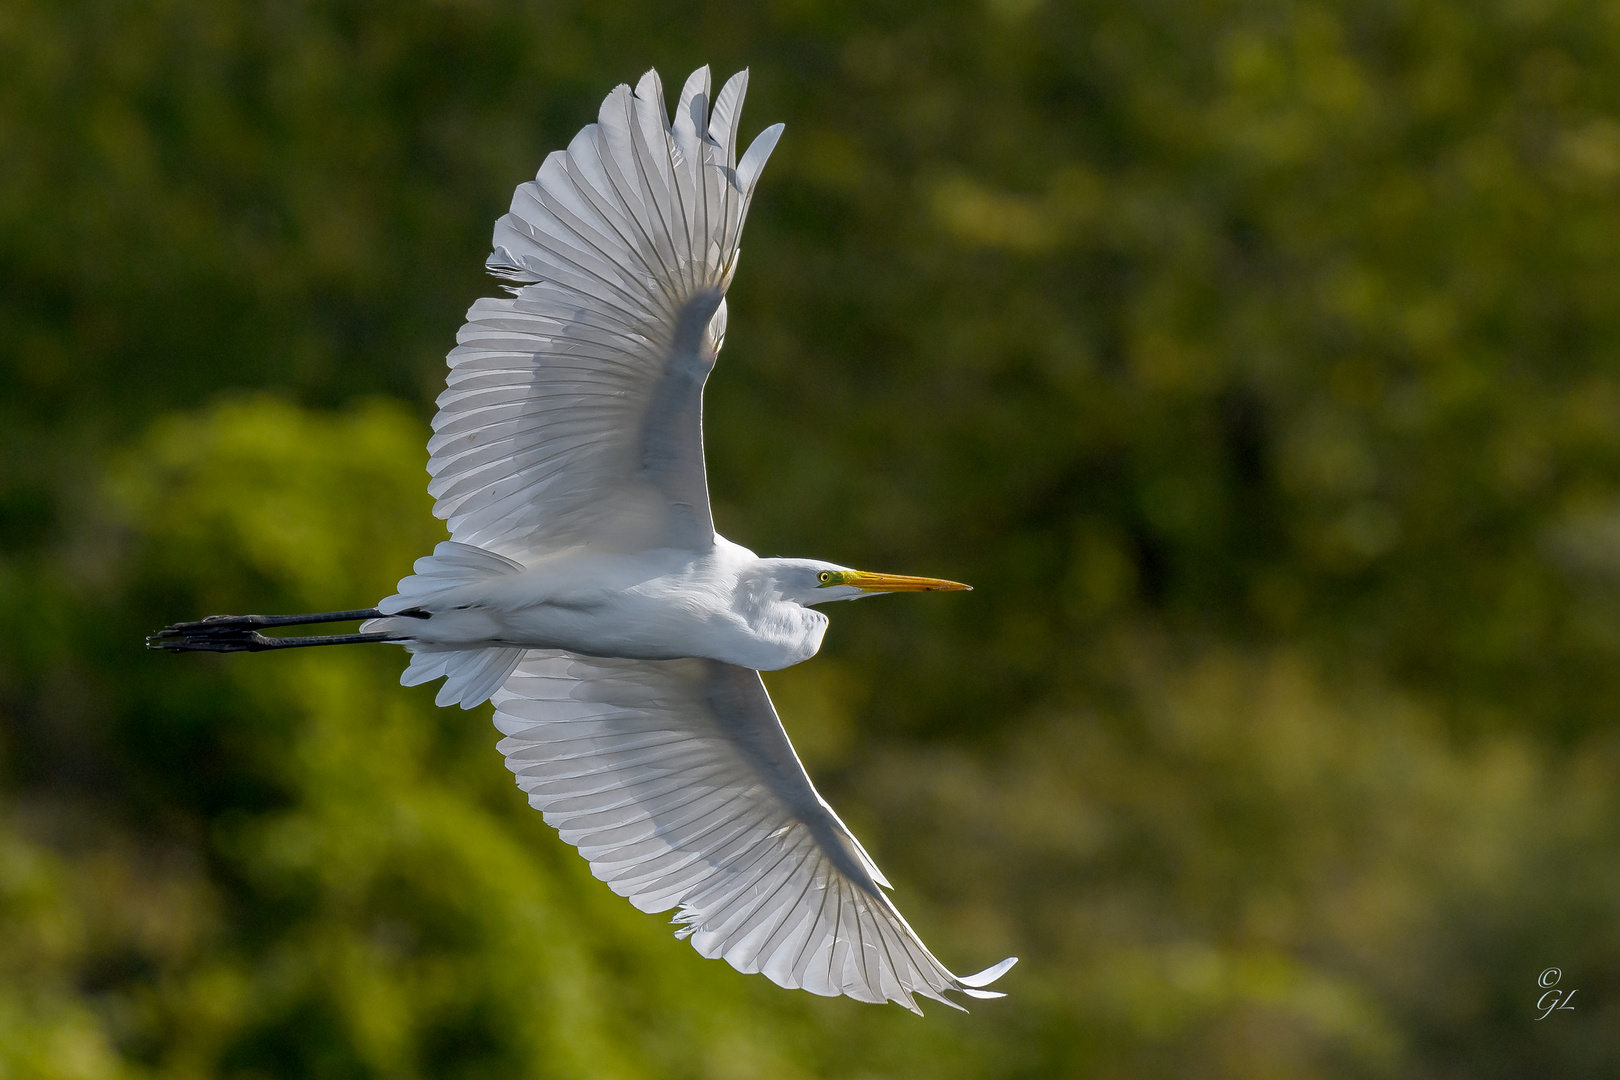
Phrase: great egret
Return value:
(585, 590)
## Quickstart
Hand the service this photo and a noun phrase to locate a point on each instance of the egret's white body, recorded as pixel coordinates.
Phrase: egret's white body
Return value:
(585, 590)
(723, 604)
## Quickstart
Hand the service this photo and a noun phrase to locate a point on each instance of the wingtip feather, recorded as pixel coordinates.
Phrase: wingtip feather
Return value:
(759, 152)
(989, 974)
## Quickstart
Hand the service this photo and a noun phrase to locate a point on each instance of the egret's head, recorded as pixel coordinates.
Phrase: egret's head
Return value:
(810, 582)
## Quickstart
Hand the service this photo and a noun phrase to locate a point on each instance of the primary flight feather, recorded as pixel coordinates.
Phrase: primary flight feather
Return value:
(584, 590)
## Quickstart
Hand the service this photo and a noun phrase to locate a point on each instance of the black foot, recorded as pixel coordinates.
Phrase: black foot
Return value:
(224, 636)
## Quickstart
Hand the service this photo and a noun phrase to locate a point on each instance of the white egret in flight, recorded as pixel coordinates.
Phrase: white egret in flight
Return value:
(585, 590)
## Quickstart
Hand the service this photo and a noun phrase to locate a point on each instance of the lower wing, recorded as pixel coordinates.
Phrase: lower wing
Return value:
(676, 780)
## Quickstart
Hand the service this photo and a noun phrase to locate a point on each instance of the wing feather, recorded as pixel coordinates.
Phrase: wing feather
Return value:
(675, 780)
(573, 412)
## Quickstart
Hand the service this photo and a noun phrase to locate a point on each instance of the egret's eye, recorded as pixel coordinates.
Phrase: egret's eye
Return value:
(825, 577)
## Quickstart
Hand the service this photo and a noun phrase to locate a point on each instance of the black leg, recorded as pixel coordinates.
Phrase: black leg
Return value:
(239, 633)
(258, 622)
(253, 641)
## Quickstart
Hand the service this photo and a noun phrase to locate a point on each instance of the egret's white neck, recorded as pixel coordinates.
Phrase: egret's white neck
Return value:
(763, 597)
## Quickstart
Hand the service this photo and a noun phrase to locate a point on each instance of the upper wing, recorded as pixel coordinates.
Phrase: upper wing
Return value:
(574, 407)
(676, 780)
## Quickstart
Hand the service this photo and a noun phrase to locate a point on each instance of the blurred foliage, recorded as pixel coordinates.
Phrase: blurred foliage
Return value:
(1258, 361)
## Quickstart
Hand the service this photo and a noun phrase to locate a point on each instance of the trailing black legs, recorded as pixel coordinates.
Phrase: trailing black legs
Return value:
(240, 633)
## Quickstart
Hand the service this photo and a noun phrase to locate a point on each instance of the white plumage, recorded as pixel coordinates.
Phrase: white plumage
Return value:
(585, 589)
(676, 780)
(582, 394)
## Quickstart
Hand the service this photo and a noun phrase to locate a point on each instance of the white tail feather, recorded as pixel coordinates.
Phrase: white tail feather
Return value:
(470, 675)
(451, 566)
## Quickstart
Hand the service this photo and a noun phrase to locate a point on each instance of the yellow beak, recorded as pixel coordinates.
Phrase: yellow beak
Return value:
(899, 583)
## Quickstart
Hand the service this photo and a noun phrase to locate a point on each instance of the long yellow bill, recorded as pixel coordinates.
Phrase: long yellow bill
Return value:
(898, 583)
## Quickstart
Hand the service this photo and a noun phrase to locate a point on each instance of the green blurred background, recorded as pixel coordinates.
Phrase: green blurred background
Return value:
(1258, 361)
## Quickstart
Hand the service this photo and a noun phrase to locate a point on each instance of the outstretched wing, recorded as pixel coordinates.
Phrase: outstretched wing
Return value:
(678, 783)
(574, 407)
